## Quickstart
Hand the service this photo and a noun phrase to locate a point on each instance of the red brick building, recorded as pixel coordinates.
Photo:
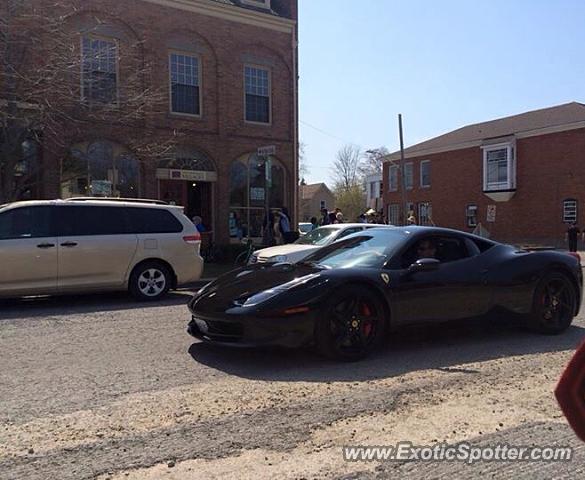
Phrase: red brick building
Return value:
(227, 70)
(522, 178)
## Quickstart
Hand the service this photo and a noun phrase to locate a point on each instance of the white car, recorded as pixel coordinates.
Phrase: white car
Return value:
(307, 244)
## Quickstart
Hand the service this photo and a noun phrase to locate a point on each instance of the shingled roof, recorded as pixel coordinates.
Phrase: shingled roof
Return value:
(561, 115)
(309, 191)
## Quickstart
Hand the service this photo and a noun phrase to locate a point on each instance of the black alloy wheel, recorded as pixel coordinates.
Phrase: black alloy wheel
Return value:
(352, 325)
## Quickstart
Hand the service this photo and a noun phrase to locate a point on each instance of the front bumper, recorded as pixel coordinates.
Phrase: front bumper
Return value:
(248, 331)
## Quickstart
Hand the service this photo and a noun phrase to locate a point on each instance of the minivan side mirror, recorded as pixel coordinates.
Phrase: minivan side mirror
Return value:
(424, 265)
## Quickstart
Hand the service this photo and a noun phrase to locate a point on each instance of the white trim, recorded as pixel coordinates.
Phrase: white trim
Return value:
(269, 70)
(574, 206)
(231, 12)
(411, 166)
(510, 182)
(422, 185)
(199, 79)
(468, 208)
(390, 169)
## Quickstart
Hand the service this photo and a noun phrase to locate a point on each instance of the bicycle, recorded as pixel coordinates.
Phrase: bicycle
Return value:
(243, 258)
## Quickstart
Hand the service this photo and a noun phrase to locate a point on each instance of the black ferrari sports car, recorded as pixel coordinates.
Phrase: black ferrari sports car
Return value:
(345, 297)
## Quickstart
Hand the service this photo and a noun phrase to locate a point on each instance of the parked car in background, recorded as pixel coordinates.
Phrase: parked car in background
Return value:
(85, 245)
(305, 228)
(308, 243)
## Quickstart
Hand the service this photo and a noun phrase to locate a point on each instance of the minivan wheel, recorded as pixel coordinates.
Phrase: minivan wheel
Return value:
(150, 281)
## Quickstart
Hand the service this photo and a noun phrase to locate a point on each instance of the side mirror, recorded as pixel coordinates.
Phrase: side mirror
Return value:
(424, 265)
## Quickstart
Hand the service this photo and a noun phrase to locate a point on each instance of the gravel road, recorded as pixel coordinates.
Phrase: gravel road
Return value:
(101, 387)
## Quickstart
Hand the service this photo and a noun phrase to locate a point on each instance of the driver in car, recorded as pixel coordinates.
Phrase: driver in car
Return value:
(426, 249)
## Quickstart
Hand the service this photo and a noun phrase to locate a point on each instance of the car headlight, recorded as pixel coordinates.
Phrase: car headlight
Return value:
(266, 295)
(278, 259)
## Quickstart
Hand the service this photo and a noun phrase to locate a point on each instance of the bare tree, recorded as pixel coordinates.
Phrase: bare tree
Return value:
(373, 161)
(51, 95)
(304, 169)
(346, 170)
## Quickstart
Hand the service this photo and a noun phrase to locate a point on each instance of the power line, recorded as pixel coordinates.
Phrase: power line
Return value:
(320, 130)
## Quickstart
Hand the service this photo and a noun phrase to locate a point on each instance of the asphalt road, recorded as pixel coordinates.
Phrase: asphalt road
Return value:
(102, 387)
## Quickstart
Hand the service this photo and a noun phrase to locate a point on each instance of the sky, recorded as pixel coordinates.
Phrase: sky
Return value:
(443, 64)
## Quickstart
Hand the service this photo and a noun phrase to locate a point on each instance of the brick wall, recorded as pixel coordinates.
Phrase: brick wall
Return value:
(550, 169)
(224, 46)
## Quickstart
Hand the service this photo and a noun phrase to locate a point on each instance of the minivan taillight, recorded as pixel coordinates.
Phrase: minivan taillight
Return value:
(192, 239)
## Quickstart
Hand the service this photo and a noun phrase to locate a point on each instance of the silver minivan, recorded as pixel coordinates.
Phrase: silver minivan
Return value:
(83, 245)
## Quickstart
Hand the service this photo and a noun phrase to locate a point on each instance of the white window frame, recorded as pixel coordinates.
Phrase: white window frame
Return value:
(257, 3)
(425, 162)
(394, 213)
(199, 79)
(510, 183)
(468, 209)
(116, 42)
(393, 170)
(267, 69)
(568, 205)
(373, 190)
(429, 213)
(409, 166)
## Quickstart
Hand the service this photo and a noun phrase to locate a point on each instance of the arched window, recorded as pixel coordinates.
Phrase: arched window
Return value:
(100, 169)
(252, 191)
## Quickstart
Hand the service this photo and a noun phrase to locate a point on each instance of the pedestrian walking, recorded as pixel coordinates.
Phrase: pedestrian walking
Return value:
(325, 217)
(314, 223)
(572, 236)
(268, 230)
(198, 222)
(288, 236)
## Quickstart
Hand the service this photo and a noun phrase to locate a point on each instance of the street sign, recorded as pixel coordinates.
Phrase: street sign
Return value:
(267, 151)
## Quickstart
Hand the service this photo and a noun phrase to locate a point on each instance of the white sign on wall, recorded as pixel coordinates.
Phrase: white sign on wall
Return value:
(491, 213)
(266, 151)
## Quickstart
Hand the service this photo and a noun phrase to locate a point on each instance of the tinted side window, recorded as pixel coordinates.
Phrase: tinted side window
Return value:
(444, 249)
(153, 220)
(27, 222)
(482, 245)
(349, 231)
(75, 221)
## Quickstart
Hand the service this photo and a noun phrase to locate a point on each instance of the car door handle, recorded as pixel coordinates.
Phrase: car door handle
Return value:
(46, 245)
(69, 244)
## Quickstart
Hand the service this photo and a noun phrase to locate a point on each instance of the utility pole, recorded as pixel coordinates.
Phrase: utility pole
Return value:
(402, 172)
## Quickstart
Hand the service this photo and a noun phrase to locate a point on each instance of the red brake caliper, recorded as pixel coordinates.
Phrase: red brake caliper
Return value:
(366, 312)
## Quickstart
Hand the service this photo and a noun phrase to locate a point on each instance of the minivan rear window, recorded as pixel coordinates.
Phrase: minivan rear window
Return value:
(153, 220)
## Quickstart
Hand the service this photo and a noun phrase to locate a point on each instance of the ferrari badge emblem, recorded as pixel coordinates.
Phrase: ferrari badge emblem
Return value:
(386, 278)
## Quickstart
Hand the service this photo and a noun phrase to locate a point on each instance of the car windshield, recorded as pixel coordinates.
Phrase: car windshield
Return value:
(368, 250)
(305, 227)
(319, 236)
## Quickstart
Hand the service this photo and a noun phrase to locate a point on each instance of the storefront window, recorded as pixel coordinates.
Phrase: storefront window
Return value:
(100, 169)
(251, 192)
